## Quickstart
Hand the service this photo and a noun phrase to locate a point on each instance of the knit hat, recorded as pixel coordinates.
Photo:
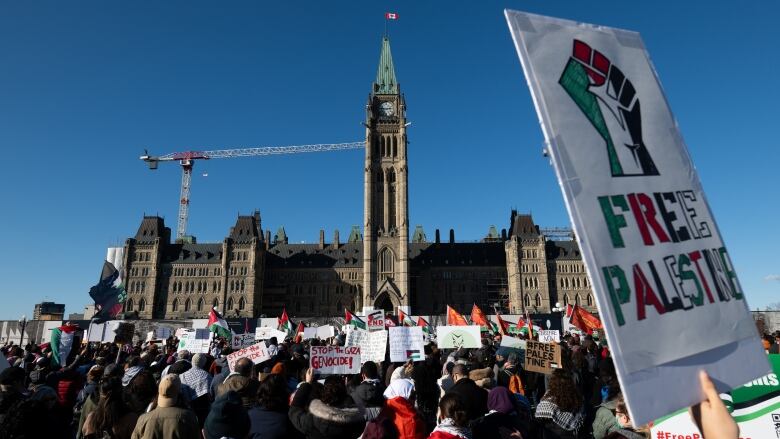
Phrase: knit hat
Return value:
(227, 418)
(168, 391)
(199, 361)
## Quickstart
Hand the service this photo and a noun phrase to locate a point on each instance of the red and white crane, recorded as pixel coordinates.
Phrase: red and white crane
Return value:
(187, 161)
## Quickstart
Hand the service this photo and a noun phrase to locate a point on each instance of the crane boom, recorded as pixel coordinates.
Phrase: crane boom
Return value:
(187, 161)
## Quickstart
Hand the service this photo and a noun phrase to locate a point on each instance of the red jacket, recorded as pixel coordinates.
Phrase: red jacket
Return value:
(442, 435)
(407, 421)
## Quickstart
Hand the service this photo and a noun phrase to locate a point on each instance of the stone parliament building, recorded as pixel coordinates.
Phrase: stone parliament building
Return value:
(251, 273)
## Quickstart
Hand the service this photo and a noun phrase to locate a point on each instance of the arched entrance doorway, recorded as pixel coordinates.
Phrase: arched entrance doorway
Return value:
(384, 303)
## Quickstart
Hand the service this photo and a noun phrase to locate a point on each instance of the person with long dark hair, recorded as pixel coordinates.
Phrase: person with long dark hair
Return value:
(453, 419)
(269, 418)
(112, 417)
(560, 411)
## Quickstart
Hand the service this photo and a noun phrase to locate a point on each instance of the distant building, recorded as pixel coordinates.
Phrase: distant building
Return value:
(75, 316)
(253, 272)
(49, 311)
(89, 312)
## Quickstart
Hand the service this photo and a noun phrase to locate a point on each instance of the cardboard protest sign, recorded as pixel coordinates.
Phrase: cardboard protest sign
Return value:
(754, 407)
(328, 360)
(257, 353)
(240, 341)
(653, 252)
(265, 333)
(376, 320)
(456, 337)
(373, 344)
(549, 336)
(542, 357)
(189, 341)
(406, 343)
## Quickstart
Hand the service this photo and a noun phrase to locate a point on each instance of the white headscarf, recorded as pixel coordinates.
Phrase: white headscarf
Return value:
(401, 387)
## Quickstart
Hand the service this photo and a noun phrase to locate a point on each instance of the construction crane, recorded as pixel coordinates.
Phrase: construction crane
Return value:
(187, 162)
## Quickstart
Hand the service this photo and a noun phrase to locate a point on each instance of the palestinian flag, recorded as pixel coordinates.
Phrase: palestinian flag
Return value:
(62, 342)
(354, 320)
(299, 333)
(454, 318)
(109, 294)
(218, 325)
(426, 327)
(285, 324)
(503, 327)
(404, 319)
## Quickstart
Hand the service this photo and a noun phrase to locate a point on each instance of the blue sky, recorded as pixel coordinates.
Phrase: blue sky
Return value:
(85, 87)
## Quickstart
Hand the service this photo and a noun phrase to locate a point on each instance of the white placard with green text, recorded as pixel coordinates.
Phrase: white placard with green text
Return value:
(665, 286)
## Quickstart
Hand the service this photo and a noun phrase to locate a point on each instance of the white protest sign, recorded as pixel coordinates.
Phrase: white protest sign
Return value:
(257, 353)
(327, 360)
(309, 333)
(265, 333)
(240, 341)
(189, 341)
(373, 344)
(95, 332)
(512, 342)
(653, 252)
(456, 337)
(406, 342)
(321, 332)
(549, 336)
(376, 320)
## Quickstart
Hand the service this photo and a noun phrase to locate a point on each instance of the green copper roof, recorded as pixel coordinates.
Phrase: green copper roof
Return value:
(354, 235)
(385, 83)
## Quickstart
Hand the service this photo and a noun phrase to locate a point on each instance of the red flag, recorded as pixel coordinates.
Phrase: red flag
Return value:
(569, 310)
(478, 317)
(391, 16)
(299, 333)
(584, 320)
(454, 318)
(503, 327)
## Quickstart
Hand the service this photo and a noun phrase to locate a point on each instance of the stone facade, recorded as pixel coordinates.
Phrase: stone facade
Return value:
(250, 273)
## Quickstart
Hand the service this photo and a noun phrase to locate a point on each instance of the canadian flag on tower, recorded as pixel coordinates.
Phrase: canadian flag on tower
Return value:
(391, 16)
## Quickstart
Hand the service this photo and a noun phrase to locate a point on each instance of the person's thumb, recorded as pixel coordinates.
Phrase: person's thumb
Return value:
(707, 386)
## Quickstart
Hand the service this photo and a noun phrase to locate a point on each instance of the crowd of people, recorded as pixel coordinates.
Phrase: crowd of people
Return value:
(157, 391)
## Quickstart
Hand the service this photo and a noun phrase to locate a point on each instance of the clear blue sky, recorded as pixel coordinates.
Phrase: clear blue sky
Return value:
(86, 86)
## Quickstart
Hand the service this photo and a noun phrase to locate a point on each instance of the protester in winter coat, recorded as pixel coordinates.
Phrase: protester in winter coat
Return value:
(195, 387)
(626, 429)
(333, 415)
(473, 396)
(368, 394)
(168, 420)
(453, 423)
(446, 382)
(269, 418)
(400, 410)
(11, 389)
(605, 418)
(227, 418)
(111, 417)
(560, 410)
(240, 381)
(502, 416)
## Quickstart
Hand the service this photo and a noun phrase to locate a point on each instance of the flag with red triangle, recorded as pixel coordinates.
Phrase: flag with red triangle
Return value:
(503, 326)
(455, 318)
(354, 320)
(218, 325)
(299, 333)
(426, 327)
(404, 319)
(285, 324)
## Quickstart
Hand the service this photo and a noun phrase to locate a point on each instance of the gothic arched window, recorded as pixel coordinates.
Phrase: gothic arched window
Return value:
(577, 299)
(538, 300)
(386, 262)
(527, 300)
(229, 305)
(241, 304)
(589, 300)
(142, 305)
(187, 305)
(175, 305)
(200, 304)
(129, 305)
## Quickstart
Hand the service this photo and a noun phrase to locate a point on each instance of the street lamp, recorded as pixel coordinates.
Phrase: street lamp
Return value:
(22, 325)
(560, 309)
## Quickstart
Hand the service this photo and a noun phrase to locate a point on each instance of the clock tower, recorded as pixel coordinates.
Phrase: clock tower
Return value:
(386, 215)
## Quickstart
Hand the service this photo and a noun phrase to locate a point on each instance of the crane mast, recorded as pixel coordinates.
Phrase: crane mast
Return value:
(187, 161)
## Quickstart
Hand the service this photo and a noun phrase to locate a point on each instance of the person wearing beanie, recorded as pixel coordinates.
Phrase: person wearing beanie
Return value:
(168, 420)
(227, 418)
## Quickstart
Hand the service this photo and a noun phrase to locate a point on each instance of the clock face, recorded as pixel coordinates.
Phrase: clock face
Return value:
(386, 108)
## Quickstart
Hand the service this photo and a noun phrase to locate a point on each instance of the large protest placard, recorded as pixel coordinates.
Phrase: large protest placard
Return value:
(257, 353)
(329, 360)
(665, 286)
(549, 336)
(754, 407)
(189, 341)
(321, 332)
(373, 344)
(406, 343)
(456, 337)
(542, 357)
(265, 333)
(376, 320)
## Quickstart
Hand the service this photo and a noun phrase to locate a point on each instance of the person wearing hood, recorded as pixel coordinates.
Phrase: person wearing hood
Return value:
(368, 394)
(399, 408)
(168, 420)
(503, 415)
(332, 415)
(195, 386)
